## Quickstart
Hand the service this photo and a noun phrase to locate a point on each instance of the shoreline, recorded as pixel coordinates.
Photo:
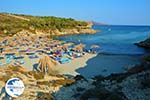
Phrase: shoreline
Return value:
(70, 68)
(63, 69)
(18, 46)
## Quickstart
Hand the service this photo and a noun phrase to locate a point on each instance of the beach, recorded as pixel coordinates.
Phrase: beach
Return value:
(36, 51)
(74, 50)
(70, 68)
(67, 68)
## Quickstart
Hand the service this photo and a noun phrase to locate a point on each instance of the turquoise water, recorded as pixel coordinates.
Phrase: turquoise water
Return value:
(117, 49)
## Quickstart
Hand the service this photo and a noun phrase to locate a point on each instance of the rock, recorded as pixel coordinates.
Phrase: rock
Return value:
(77, 31)
(145, 80)
(74, 91)
(79, 77)
(145, 44)
(132, 87)
(100, 94)
(79, 89)
(89, 31)
(44, 96)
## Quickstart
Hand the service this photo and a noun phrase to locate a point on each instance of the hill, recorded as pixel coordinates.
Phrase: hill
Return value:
(13, 23)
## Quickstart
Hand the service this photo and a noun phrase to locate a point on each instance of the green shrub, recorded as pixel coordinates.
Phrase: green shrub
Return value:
(13, 25)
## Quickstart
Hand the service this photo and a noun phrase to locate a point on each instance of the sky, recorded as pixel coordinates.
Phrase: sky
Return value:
(115, 12)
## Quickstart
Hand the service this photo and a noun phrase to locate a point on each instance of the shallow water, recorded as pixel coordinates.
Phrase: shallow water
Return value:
(108, 64)
(117, 48)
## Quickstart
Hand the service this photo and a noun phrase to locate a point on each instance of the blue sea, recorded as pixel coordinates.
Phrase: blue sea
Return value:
(117, 50)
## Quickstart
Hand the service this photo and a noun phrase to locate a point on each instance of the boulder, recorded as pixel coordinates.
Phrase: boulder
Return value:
(144, 44)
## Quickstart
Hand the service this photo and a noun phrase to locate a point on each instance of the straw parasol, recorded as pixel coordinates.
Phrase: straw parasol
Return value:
(46, 64)
(1, 56)
(10, 51)
(79, 47)
(66, 45)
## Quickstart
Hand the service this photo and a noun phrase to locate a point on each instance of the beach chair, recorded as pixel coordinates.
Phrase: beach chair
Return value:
(33, 56)
(64, 60)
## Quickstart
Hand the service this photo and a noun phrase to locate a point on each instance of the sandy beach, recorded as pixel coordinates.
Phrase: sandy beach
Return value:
(68, 55)
(67, 68)
(70, 68)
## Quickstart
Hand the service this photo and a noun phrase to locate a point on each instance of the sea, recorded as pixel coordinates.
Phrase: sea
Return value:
(116, 52)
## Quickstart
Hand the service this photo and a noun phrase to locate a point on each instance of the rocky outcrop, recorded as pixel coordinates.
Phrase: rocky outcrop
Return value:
(144, 44)
(74, 31)
(62, 32)
(74, 91)
(89, 31)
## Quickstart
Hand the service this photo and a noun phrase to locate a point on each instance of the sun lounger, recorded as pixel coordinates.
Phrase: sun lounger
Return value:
(1, 64)
(64, 60)
(33, 56)
(57, 58)
(1, 57)
(18, 57)
(19, 62)
(8, 61)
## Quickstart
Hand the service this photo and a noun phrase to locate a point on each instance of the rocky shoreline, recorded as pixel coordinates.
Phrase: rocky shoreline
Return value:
(130, 85)
(144, 44)
(66, 32)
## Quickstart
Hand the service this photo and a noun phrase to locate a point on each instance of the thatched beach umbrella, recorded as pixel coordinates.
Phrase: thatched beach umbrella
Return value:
(79, 47)
(1, 49)
(46, 64)
(10, 51)
(2, 57)
(66, 45)
(12, 44)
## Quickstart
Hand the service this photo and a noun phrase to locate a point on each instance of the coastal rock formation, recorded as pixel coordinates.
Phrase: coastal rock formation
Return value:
(66, 32)
(89, 31)
(73, 91)
(144, 44)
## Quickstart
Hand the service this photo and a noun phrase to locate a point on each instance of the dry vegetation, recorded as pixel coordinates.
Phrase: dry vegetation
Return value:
(37, 84)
